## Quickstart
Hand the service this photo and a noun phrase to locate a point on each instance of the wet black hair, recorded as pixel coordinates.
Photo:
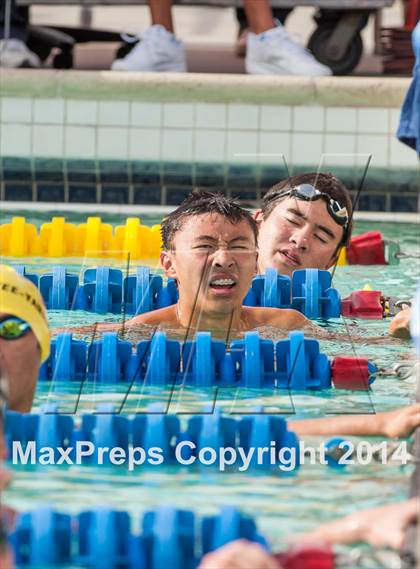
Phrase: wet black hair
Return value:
(201, 202)
(324, 182)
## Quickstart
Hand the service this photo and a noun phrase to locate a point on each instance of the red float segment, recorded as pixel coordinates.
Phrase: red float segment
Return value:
(350, 373)
(307, 557)
(363, 304)
(366, 249)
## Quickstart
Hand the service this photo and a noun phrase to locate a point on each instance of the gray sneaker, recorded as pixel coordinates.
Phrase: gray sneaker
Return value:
(14, 53)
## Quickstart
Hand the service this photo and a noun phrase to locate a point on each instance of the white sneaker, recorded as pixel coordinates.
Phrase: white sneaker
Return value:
(14, 53)
(275, 53)
(158, 50)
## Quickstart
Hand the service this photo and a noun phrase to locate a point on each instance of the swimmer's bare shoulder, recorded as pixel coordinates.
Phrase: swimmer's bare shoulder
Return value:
(285, 318)
(165, 315)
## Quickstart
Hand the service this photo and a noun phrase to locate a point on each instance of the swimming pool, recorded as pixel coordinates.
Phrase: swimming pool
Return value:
(282, 503)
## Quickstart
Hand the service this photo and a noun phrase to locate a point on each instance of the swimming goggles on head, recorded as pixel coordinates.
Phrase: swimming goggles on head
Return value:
(309, 193)
(12, 328)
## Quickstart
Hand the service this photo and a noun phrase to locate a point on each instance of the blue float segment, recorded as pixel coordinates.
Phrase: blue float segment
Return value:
(104, 428)
(228, 526)
(46, 429)
(159, 360)
(104, 539)
(300, 365)
(313, 296)
(21, 270)
(102, 287)
(202, 361)
(254, 360)
(59, 289)
(168, 295)
(209, 430)
(110, 360)
(169, 538)
(42, 538)
(156, 429)
(141, 291)
(261, 431)
(67, 360)
(270, 290)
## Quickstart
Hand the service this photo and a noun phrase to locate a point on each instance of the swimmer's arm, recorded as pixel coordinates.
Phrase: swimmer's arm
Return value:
(400, 325)
(380, 527)
(99, 327)
(393, 424)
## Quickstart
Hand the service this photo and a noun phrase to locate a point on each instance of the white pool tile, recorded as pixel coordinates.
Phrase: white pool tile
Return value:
(209, 145)
(113, 113)
(80, 142)
(243, 117)
(375, 121)
(274, 147)
(394, 120)
(276, 117)
(49, 111)
(402, 156)
(16, 110)
(375, 144)
(81, 112)
(307, 149)
(341, 119)
(339, 150)
(209, 115)
(112, 143)
(177, 145)
(242, 147)
(144, 144)
(48, 141)
(178, 115)
(308, 119)
(146, 114)
(15, 140)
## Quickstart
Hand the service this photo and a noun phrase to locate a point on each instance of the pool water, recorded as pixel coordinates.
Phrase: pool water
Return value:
(283, 504)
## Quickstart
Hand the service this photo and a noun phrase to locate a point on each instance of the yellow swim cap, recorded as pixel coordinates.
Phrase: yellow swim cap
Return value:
(19, 297)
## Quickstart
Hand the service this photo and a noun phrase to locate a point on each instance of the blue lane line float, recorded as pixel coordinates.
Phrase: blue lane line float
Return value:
(156, 429)
(33, 277)
(141, 291)
(300, 365)
(295, 363)
(267, 431)
(60, 290)
(313, 295)
(228, 526)
(103, 538)
(105, 289)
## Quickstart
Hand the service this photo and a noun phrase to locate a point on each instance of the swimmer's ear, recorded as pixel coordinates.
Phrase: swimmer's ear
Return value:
(167, 262)
(258, 216)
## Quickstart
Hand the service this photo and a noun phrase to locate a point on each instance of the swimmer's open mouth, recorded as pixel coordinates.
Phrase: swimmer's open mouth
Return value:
(221, 284)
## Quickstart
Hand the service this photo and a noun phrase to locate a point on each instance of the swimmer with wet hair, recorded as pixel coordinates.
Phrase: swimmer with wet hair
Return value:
(24, 337)
(303, 223)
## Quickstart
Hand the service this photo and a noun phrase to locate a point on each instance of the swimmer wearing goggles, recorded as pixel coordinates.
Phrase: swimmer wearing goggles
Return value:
(24, 337)
(303, 223)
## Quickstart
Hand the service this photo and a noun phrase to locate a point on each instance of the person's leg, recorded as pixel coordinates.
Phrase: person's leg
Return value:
(161, 14)
(259, 16)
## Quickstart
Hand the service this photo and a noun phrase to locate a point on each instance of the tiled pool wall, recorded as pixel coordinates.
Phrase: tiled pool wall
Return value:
(143, 139)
